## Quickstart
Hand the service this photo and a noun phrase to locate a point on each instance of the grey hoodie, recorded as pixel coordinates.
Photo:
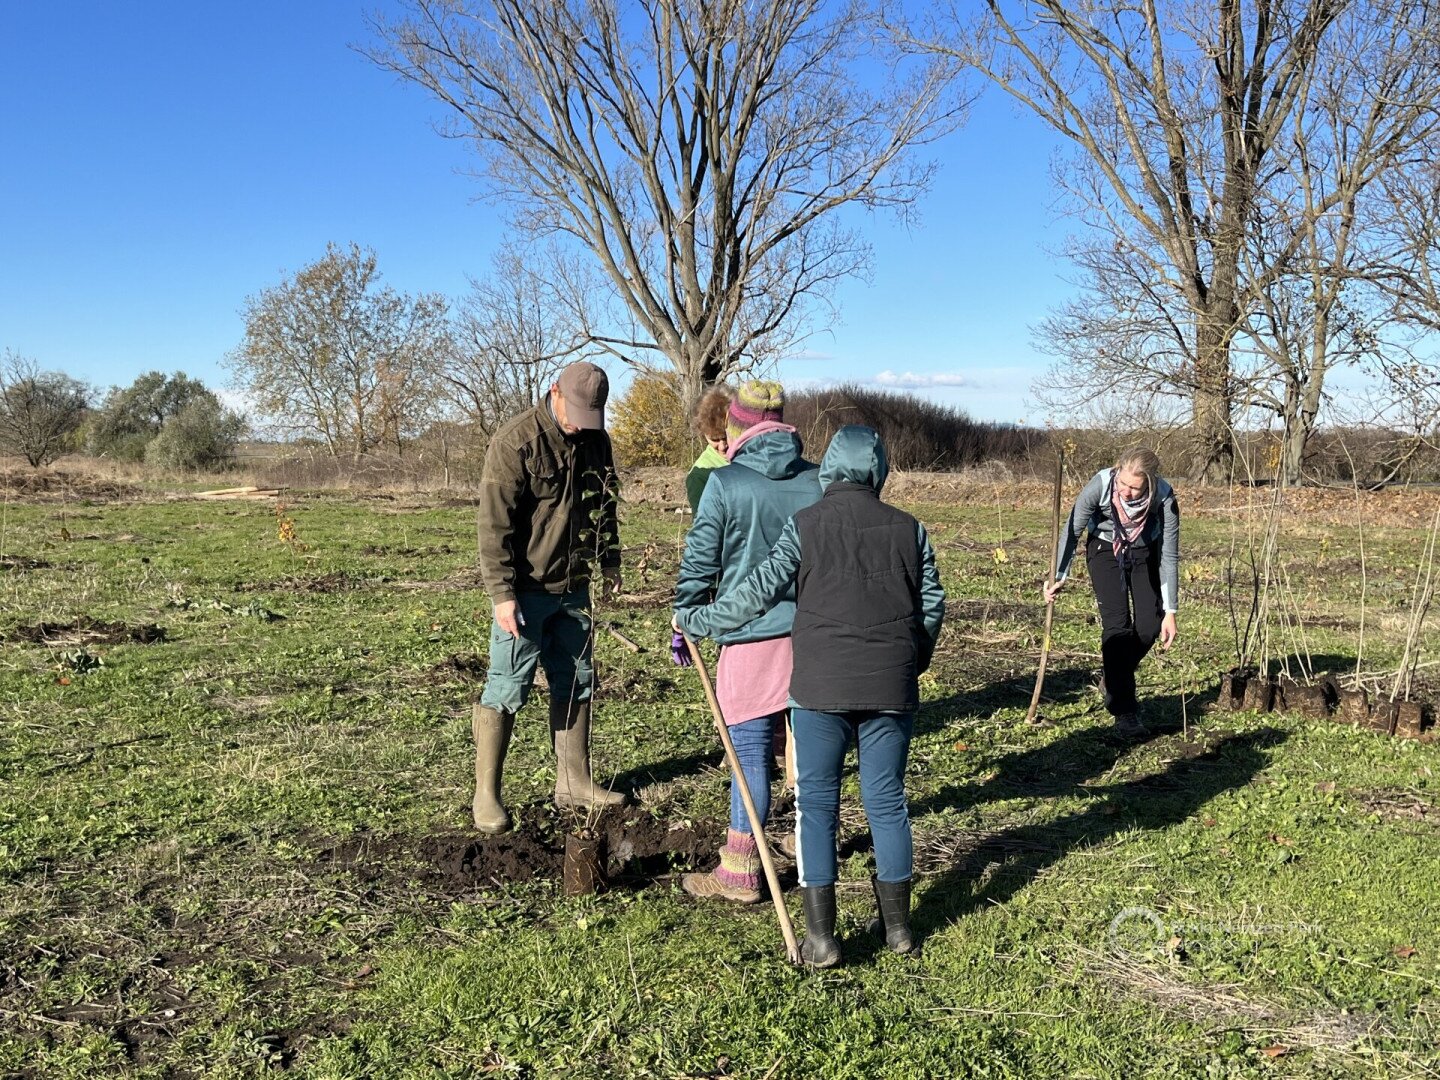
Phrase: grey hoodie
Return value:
(1093, 510)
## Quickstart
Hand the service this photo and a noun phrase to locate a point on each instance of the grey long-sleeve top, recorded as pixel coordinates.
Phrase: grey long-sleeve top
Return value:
(1094, 510)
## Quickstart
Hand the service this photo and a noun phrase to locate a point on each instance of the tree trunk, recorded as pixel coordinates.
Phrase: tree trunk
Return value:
(1302, 407)
(1211, 409)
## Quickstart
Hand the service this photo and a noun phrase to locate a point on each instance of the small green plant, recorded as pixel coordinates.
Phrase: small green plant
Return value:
(80, 661)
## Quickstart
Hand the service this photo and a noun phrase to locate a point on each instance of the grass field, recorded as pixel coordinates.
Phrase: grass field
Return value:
(234, 785)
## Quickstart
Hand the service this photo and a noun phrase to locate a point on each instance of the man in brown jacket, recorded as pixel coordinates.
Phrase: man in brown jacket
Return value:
(547, 518)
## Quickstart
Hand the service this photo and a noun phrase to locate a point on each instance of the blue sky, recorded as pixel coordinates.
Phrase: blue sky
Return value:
(164, 160)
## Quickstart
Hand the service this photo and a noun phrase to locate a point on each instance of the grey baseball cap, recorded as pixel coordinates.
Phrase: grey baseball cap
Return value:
(585, 388)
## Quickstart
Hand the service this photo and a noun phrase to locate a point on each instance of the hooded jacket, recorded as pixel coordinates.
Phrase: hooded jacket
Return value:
(741, 514)
(869, 603)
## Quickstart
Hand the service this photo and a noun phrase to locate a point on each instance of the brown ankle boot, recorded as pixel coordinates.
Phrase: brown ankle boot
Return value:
(570, 732)
(492, 729)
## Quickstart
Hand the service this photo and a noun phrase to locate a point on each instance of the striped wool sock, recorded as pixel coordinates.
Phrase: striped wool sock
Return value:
(739, 862)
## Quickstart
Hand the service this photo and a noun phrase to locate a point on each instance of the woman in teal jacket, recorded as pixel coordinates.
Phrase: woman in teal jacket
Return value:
(741, 514)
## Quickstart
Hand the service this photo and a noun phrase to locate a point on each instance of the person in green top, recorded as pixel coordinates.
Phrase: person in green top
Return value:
(710, 416)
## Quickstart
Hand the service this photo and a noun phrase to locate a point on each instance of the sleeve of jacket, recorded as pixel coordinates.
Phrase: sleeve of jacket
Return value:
(1170, 554)
(700, 564)
(932, 597)
(502, 482)
(609, 508)
(1086, 503)
(754, 596)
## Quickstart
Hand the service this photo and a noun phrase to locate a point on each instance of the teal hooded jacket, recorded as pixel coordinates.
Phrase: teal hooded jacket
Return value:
(742, 512)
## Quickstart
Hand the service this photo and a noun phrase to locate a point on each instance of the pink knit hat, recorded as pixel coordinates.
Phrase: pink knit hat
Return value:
(755, 403)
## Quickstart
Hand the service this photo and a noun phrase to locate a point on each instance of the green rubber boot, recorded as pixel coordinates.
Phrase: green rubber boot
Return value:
(492, 729)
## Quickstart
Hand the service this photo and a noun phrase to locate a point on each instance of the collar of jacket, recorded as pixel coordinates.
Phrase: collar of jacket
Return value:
(845, 487)
(550, 427)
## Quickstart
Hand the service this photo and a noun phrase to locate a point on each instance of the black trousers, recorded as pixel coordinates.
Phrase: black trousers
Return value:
(1129, 599)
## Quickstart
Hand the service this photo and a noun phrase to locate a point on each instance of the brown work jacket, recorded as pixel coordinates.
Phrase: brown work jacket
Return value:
(547, 511)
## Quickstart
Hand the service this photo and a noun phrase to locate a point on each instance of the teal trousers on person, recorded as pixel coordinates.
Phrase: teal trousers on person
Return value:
(555, 633)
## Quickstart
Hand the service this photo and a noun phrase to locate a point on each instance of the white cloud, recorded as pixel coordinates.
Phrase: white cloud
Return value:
(910, 380)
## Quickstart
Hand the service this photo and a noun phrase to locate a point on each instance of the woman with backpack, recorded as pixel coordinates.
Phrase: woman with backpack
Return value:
(1133, 554)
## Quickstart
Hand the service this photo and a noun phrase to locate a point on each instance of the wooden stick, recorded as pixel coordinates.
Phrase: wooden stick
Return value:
(787, 928)
(1031, 715)
(621, 638)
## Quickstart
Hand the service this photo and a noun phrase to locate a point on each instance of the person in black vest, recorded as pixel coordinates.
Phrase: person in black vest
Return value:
(868, 609)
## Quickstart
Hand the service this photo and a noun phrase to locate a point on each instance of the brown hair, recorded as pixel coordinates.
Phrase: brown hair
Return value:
(711, 411)
(1143, 460)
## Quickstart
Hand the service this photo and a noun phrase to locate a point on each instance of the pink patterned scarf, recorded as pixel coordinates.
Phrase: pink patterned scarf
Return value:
(1129, 517)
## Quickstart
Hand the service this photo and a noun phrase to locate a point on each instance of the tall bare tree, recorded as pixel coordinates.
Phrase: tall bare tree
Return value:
(332, 353)
(699, 149)
(1319, 257)
(1178, 112)
(40, 411)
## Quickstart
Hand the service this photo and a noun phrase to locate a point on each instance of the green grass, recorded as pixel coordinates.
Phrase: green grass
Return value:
(171, 903)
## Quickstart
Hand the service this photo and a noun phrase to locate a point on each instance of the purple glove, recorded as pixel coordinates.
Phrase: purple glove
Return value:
(680, 652)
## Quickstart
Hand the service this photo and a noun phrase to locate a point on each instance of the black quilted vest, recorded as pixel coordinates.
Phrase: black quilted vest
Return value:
(858, 624)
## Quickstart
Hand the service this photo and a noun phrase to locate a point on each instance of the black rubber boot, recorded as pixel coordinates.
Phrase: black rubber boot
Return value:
(820, 949)
(893, 923)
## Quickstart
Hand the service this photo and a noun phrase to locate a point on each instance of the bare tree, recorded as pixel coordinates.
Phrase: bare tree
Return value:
(39, 410)
(1319, 256)
(333, 354)
(513, 333)
(1178, 113)
(698, 150)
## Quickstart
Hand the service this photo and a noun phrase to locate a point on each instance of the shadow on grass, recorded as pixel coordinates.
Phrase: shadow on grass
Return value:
(1063, 686)
(1156, 801)
(667, 769)
(1060, 767)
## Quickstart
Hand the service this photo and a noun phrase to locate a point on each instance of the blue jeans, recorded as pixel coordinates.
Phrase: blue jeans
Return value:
(556, 633)
(752, 741)
(821, 740)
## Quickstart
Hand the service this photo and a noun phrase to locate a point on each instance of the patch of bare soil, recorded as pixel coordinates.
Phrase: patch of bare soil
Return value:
(463, 577)
(87, 631)
(338, 581)
(468, 667)
(1398, 804)
(641, 850)
(55, 485)
(22, 562)
(407, 552)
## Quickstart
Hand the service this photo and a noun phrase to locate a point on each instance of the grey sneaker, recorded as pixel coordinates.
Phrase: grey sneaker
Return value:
(1129, 724)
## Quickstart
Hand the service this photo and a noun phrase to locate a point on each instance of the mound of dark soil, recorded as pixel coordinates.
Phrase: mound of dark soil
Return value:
(337, 581)
(465, 666)
(22, 562)
(641, 849)
(87, 631)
